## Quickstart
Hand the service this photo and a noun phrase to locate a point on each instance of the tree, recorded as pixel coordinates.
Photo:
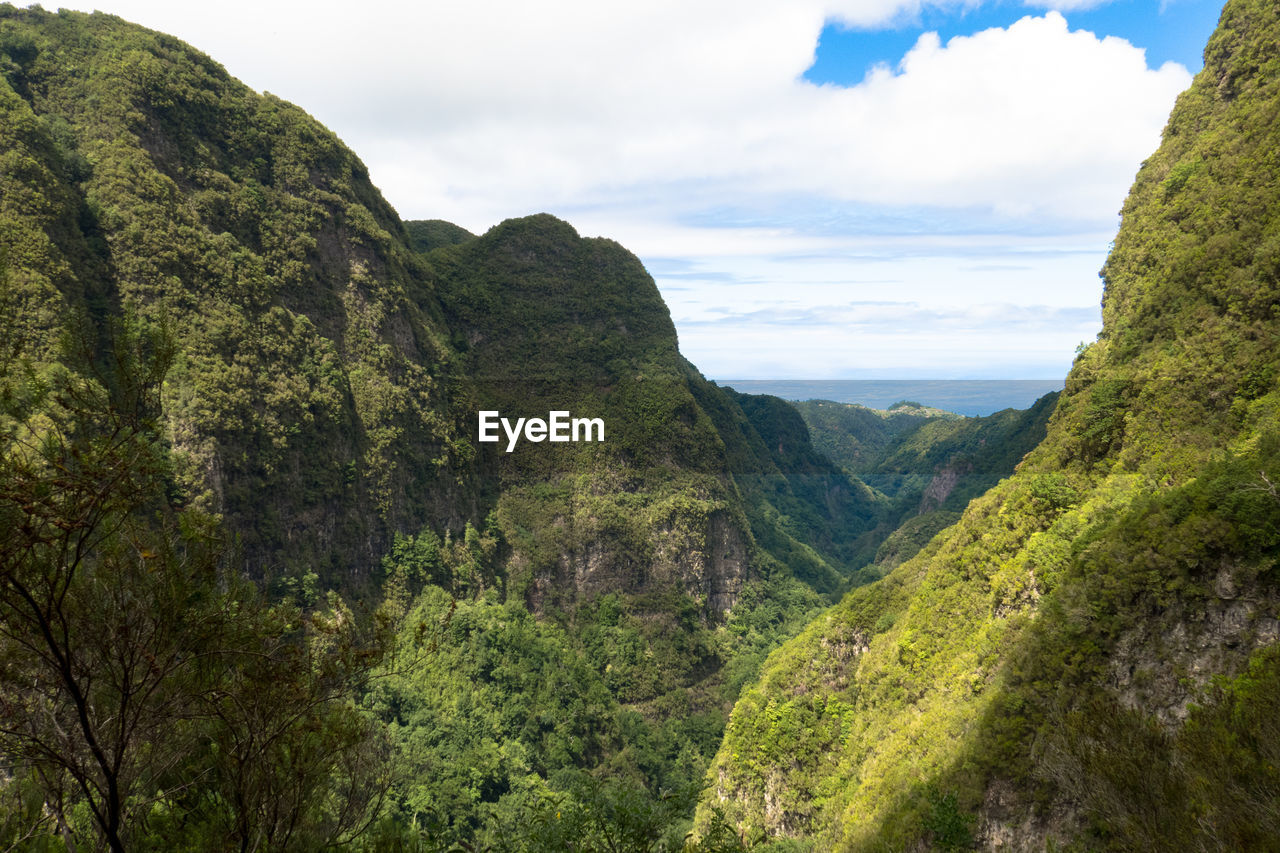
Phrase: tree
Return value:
(147, 691)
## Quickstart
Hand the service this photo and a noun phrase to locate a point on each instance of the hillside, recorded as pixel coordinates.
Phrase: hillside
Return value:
(325, 394)
(922, 466)
(313, 403)
(209, 272)
(856, 437)
(1089, 656)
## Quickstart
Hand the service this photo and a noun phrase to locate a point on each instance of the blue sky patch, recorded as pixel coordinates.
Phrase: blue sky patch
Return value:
(1169, 30)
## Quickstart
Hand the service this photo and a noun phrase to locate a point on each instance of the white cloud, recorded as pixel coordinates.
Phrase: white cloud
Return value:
(1032, 119)
(1029, 119)
(1011, 306)
(631, 117)
(475, 109)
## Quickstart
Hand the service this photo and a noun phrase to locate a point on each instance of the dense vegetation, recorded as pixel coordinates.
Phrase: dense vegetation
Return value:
(922, 466)
(1087, 657)
(261, 587)
(309, 403)
(315, 414)
(152, 699)
(856, 437)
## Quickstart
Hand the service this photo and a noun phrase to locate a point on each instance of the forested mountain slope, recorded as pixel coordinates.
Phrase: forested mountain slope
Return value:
(923, 466)
(1090, 654)
(544, 320)
(313, 402)
(329, 373)
(856, 437)
(304, 373)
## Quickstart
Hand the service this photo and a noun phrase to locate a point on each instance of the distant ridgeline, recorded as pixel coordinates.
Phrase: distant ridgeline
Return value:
(1088, 659)
(971, 397)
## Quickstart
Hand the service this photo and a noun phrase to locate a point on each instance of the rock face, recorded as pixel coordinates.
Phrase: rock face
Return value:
(1090, 655)
(941, 486)
(1164, 665)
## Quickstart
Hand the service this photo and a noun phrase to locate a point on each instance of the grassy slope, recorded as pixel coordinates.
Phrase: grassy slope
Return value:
(1050, 667)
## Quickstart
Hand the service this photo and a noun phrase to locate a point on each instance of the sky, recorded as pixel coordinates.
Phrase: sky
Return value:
(821, 189)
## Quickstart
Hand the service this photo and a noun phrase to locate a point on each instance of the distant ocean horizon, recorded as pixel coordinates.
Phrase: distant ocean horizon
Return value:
(971, 397)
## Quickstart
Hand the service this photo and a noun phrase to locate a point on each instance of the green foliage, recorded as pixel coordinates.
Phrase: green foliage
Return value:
(1092, 645)
(947, 826)
(609, 713)
(153, 699)
(946, 462)
(501, 717)
(1052, 492)
(425, 235)
(1103, 418)
(599, 817)
(309, 405)
(911, 536)
(1210, 783)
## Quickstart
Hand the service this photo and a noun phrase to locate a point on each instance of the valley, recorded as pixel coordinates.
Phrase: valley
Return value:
(326, 529)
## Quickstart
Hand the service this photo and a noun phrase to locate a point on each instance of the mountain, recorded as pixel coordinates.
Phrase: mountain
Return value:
(312, 405)
(922, 465)
(1088, 658)
(427, 234)
(311, 370)
(855, 437)
(222, 341)
(332, 359)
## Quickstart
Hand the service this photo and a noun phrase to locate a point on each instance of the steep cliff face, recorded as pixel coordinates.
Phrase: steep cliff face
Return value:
(545, 321)
(332, 360)
(1090, 654)
(311, 404)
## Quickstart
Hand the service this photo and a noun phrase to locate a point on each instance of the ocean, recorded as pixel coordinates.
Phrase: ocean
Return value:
(963, 396)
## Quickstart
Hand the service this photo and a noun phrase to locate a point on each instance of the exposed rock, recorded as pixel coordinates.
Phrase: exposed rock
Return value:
(1164, 665)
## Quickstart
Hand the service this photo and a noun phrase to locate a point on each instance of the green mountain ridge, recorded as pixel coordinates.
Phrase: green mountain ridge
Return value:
(1087, 659)
(922, 464)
